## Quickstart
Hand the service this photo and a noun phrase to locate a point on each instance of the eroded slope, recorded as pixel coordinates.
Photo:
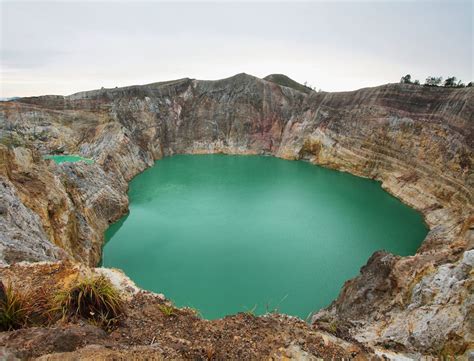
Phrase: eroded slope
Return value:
(416, 140)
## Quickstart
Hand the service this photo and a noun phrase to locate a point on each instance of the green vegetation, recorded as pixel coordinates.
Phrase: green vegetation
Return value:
(406, 79)
(434, 81)
(283, 80)
(167, 310)
(451, 83)
(14, 308)
(251, 312)
(276, 309)
(333, 327)
(94, 299)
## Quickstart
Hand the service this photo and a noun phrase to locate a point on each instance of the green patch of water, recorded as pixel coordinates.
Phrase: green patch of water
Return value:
(68, 158)
(225, 234)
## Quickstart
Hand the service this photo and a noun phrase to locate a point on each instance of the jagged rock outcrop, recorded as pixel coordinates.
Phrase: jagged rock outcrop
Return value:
(55, 211)
(22, 236)
(416, 140)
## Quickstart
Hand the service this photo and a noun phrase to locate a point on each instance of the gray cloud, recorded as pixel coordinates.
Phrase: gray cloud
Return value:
(63, 47)
(29, 58)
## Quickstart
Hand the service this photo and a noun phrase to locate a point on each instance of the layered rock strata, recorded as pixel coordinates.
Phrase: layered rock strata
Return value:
(416, 140)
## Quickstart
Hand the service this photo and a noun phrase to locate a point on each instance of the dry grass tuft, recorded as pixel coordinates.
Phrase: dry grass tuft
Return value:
(14, 308)
(94, 299)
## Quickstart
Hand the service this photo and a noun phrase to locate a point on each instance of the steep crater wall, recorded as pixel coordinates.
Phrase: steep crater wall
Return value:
(417, 141)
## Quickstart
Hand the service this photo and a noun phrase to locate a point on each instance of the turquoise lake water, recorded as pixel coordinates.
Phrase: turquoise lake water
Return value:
(68, 158)
(225, 234)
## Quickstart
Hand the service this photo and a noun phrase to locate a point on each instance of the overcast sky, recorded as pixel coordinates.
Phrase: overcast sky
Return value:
(65, 47)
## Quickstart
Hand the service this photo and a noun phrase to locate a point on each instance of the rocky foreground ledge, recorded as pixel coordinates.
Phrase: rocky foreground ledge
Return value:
(147, 331)
(416, 140)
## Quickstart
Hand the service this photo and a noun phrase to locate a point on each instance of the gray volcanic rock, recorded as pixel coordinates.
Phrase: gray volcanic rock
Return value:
(22, 237)
(416, 140)
(49, 210)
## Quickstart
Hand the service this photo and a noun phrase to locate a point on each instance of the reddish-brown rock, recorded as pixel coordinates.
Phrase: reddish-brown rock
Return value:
(416, 140)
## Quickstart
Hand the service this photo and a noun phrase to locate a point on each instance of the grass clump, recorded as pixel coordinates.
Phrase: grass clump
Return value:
(14, 308)
(333, 327)
(94, 299)
(167, 310)
(251, 312)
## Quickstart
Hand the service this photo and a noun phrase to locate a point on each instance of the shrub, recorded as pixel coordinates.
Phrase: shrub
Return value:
(433, 81)
(14, 308)
(450, 82)
(406, 79)
(94, 299)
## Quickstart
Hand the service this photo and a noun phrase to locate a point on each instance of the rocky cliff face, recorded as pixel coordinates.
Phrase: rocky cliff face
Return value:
(54, 212)
(417, 141)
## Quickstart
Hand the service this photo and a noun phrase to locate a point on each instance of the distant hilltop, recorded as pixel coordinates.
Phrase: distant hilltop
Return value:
(283, 80)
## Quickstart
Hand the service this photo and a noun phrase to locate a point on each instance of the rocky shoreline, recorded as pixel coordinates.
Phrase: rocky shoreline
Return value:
(416, 140)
